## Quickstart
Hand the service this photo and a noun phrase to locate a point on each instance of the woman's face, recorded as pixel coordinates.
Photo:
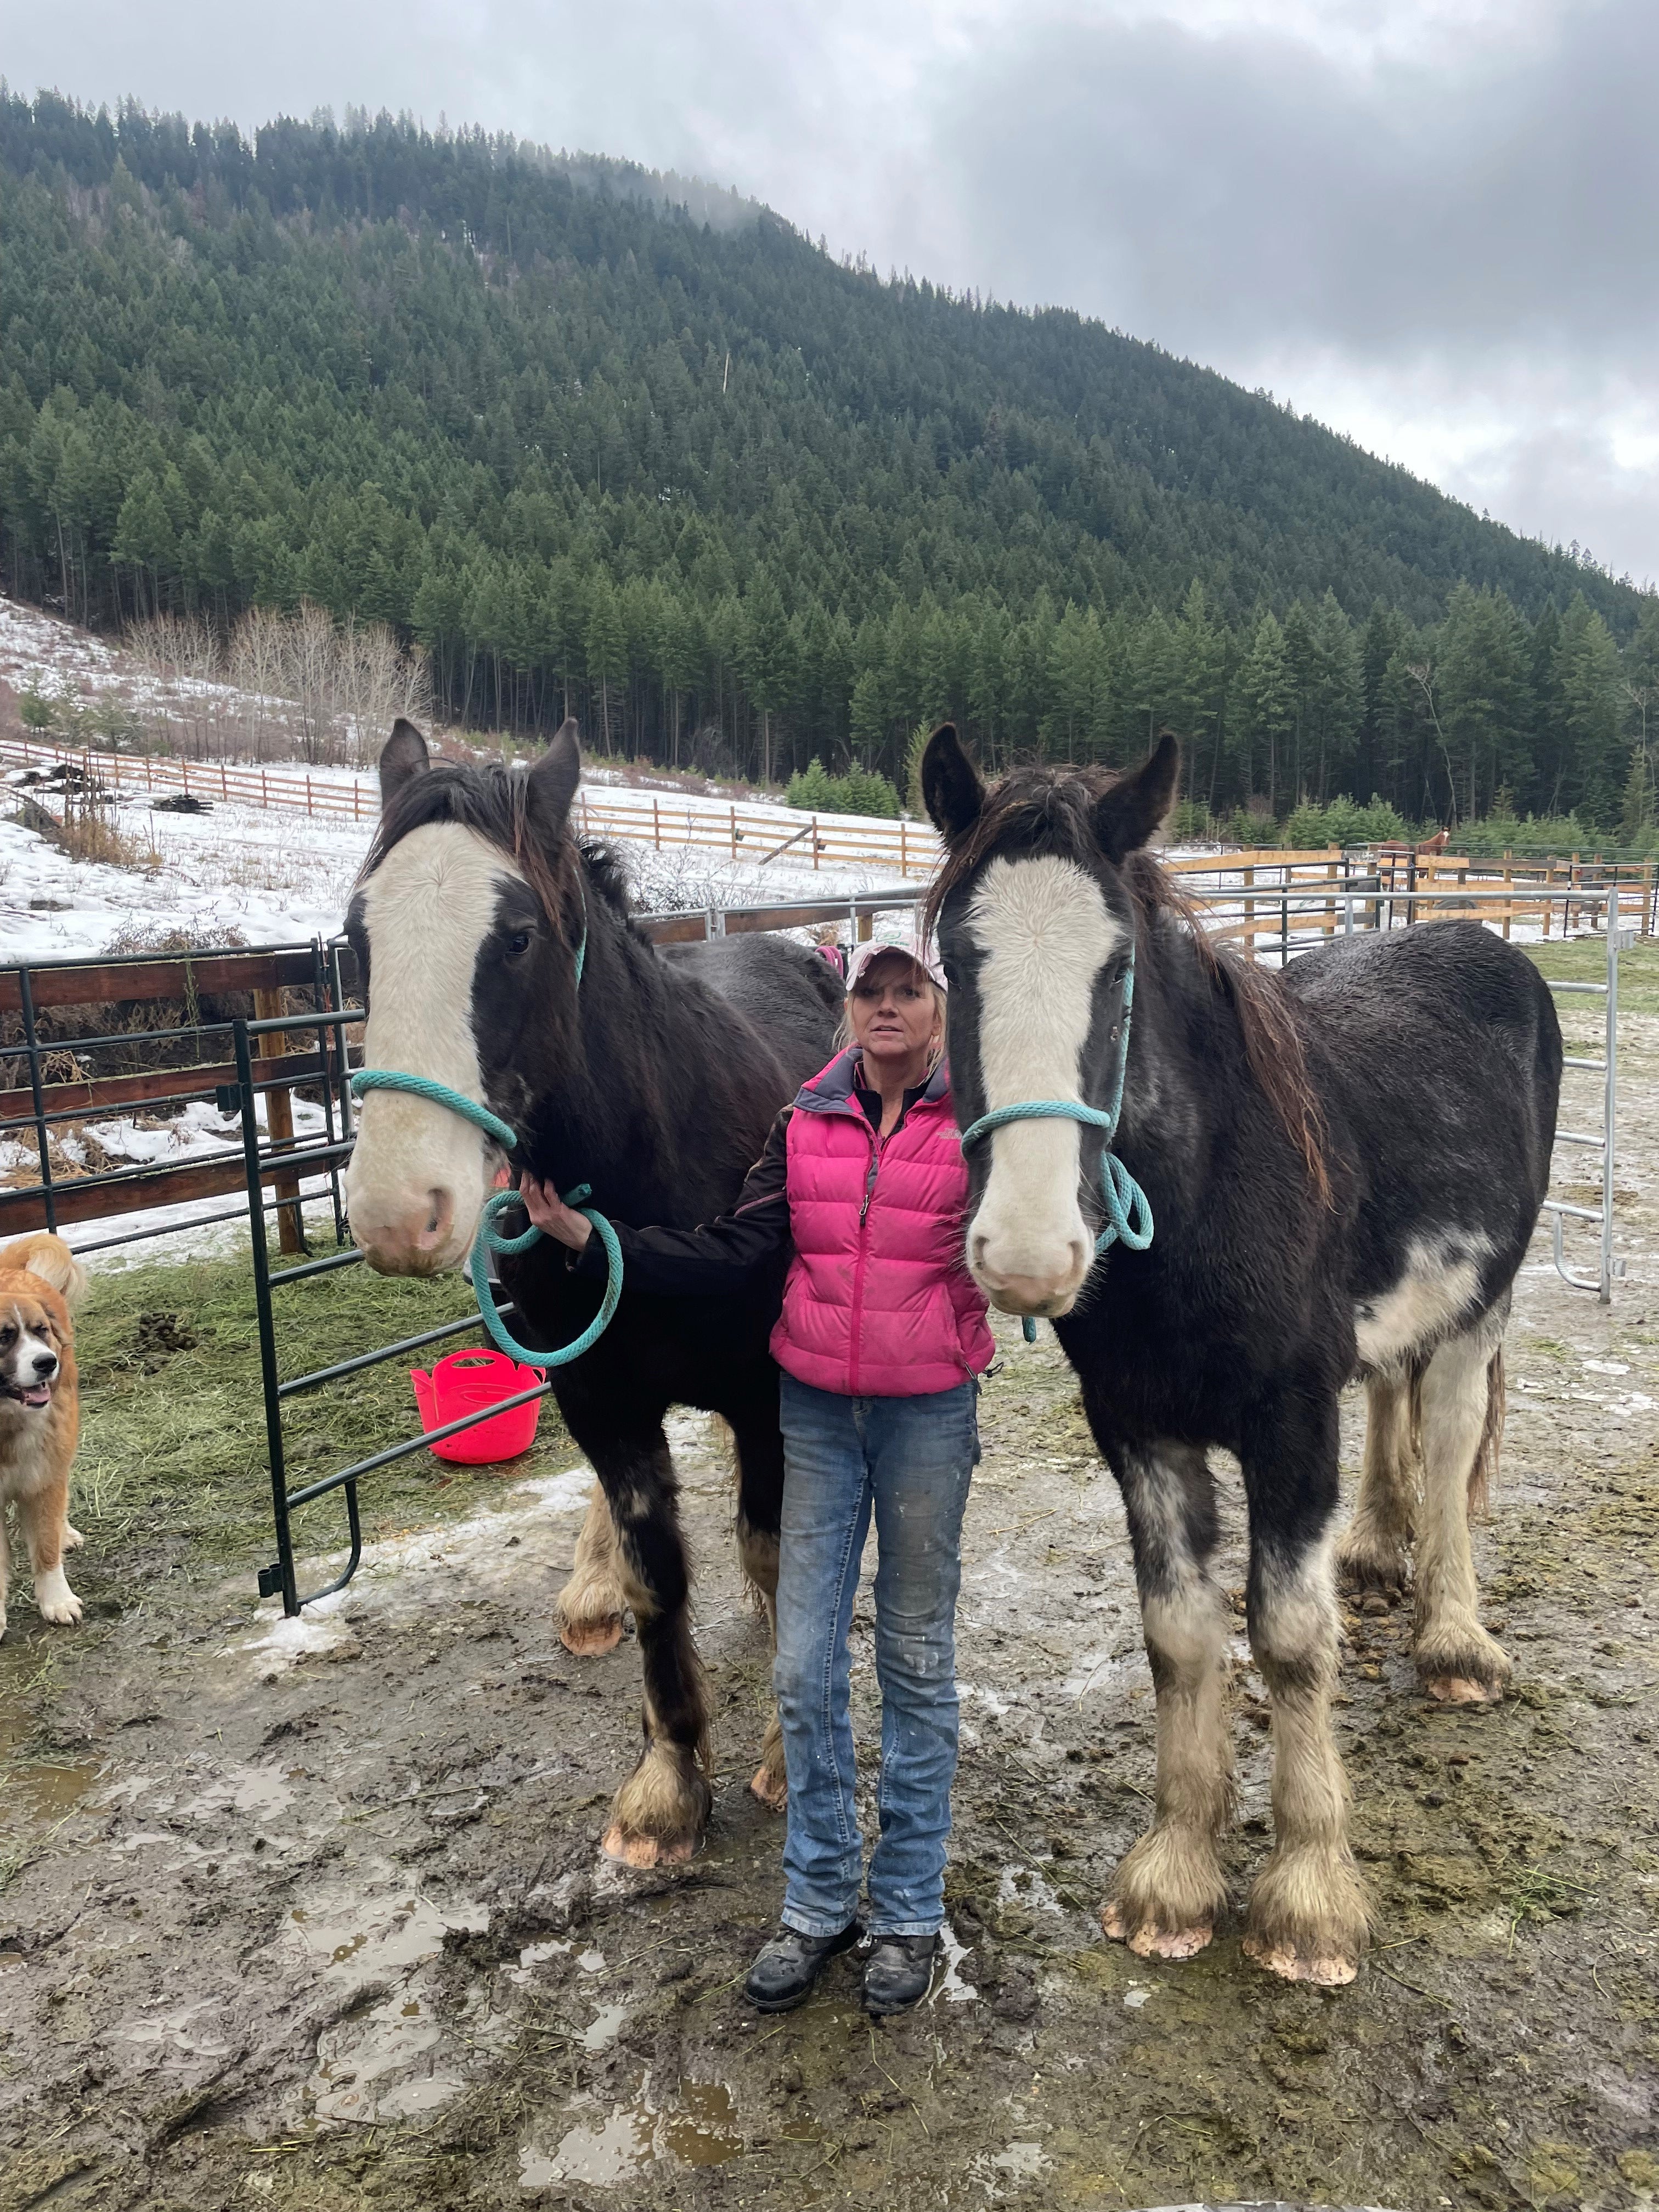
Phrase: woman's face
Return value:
(894, 1010)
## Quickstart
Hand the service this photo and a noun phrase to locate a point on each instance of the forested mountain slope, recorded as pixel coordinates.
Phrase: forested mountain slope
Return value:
(679, 468)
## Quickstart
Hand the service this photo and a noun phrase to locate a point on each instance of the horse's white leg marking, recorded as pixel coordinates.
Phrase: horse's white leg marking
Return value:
(1372, 1555)
(757, 1554)
(1168, 1889)
(1438, 1286)
(660, 1812)
(1458, 1662)
(1046, 932)
(1308, 1914)
(426, 909)
(589, 1607)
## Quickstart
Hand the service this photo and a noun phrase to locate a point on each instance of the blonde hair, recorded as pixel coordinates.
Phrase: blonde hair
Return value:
(843, 1036)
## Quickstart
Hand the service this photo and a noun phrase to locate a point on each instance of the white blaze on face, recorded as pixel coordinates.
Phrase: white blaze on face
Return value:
(416, 1181)
(1045, 931)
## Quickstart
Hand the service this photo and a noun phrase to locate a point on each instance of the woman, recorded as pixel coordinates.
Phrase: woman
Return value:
(881, 1338)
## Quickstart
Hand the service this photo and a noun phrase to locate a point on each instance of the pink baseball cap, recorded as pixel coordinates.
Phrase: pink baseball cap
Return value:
(872, 949)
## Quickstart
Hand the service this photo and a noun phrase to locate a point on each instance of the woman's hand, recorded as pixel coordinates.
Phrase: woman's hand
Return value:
(552, 1216)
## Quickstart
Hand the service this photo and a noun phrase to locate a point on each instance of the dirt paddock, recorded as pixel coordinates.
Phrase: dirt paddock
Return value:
(305, 1914)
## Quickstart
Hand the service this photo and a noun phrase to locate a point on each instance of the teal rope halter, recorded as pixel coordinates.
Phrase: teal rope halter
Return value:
(1128, 1211)
(487, 1241)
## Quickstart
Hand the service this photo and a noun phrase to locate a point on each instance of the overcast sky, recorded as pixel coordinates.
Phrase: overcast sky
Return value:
(1434, 226)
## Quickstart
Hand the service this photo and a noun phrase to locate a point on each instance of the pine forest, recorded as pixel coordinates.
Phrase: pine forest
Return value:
(600, 441)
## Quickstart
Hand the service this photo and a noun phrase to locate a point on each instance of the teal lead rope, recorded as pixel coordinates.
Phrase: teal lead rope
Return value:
(487, 1241)
(1128, 1212)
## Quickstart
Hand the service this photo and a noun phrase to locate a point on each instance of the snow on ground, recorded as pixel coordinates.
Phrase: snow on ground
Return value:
(39, 652)
(277, 878)
(202, 1229)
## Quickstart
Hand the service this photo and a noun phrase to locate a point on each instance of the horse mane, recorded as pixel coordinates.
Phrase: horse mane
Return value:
(1052, 811)
(494, 801)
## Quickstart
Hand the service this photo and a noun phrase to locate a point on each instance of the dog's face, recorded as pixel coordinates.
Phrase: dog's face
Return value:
(31, 1342)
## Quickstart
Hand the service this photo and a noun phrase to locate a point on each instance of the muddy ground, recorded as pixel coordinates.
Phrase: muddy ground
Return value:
(306, 1916)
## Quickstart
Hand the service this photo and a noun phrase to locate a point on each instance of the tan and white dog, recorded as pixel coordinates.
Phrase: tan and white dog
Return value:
(39, 1414)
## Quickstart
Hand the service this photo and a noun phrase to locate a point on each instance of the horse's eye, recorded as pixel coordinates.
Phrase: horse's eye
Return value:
(518, 945)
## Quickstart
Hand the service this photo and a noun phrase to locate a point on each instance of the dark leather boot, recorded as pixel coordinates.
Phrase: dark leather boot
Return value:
(786, 1968)
(899, 1970)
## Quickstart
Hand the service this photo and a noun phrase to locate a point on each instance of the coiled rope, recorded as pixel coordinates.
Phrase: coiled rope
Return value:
(488, 1241)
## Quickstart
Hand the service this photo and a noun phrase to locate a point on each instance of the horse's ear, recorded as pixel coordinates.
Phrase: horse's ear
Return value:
(552, 783)
(950, 784)
(402, 755)
(1137, 806)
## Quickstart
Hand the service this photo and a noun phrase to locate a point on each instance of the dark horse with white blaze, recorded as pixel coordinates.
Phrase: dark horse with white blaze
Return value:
(652, 1079)
(1345, 1164)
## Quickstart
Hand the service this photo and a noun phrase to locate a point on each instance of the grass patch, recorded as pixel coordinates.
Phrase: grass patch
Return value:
(1540, 1893)
(174, 1454)
(1584, 960)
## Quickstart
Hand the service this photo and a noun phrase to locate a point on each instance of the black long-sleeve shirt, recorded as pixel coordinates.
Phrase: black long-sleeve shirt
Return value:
(717, 1258)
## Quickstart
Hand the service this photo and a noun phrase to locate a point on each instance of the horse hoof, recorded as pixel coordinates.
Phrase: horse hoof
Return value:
(771, 1788)
(1325, 1973)
(1461, 1690)
(1359, 1573)
(1154, 1943)
(592, 1639)
(643, 1852)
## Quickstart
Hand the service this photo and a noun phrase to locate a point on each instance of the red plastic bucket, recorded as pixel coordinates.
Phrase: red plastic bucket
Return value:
(465, 1383)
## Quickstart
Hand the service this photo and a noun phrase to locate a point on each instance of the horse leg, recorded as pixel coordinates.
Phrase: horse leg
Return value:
(1373, 1552)
(1307, 1916)
(760, 1503)
(1462, 1397)
(660, 1812)
(589, 1609)
(1168, 1890)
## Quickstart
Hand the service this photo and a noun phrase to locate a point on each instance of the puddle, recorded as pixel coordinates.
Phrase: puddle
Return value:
(614, 2151)
(256, 1790)
(42, 1789)
(48, 1790)
(381, 2064)
(697, 2127)
(182, 2030)
(703, 2129)
(1000, 2174)
(951, 1986)
(1027, 1886)
(601, 2033)
(357, 1938)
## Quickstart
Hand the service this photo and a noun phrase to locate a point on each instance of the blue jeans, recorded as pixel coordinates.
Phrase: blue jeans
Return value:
(911, 1458)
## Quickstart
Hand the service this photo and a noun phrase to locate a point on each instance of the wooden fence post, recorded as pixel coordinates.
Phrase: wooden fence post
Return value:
(279, 1123)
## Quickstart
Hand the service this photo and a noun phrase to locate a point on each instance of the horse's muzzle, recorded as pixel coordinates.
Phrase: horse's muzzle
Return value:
(416, 1240)
(1044, 1292)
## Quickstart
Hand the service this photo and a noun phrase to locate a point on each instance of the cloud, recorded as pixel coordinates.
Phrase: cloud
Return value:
(1429, 221)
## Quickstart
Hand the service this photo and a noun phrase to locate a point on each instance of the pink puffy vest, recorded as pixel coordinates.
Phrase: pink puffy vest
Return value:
(879, 1302)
